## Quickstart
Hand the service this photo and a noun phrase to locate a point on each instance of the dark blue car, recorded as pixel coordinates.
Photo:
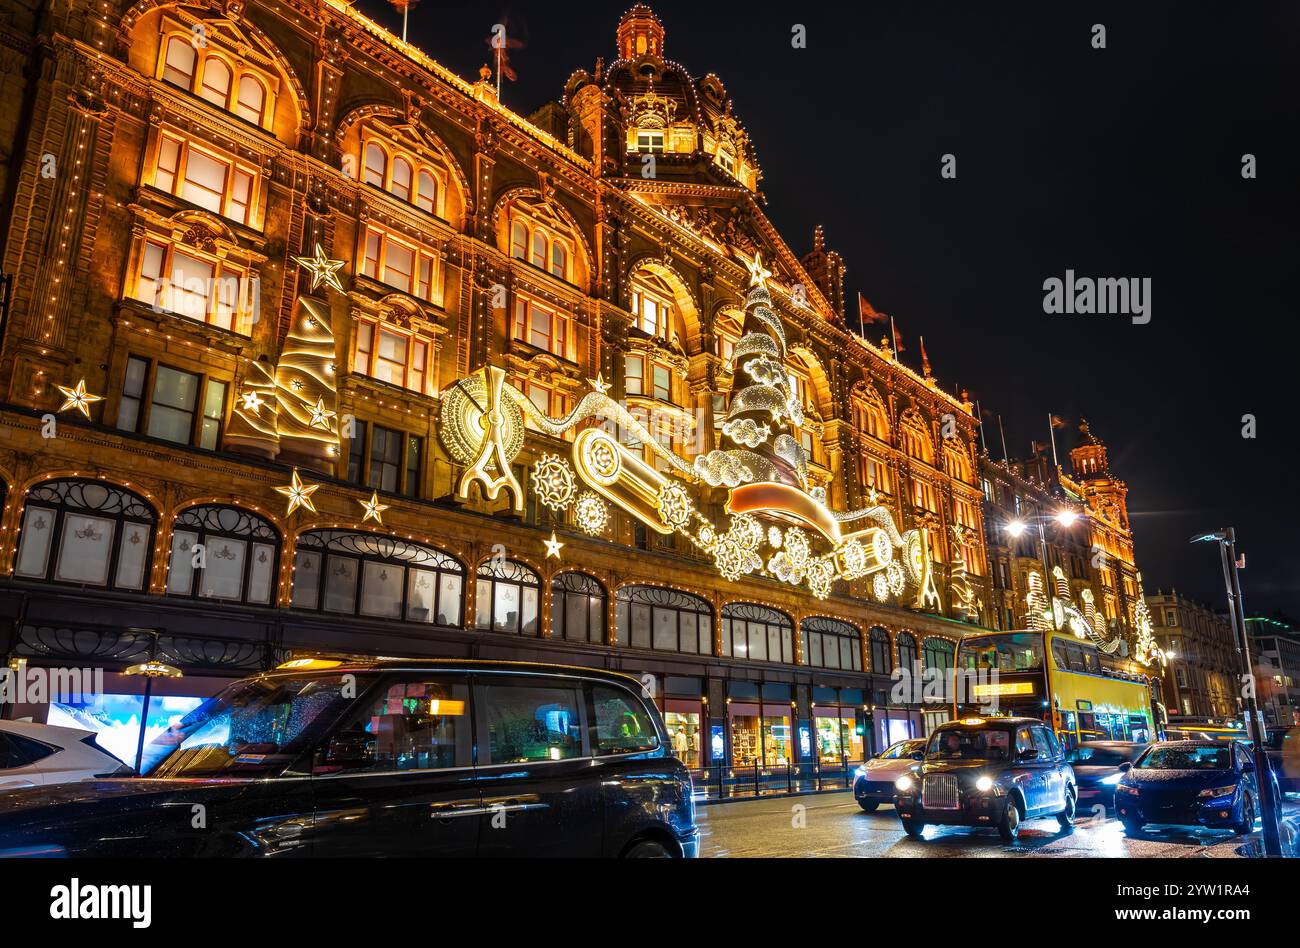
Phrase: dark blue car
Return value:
(1190, 783)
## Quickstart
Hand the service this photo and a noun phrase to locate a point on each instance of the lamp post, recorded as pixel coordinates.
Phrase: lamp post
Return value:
(1227, 540)
(1065, 517)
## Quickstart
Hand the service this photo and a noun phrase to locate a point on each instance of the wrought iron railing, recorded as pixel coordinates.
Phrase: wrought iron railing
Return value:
(756, 779)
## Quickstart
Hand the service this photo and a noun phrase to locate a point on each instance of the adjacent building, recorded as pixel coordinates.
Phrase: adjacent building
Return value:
(1275, 651)
(1202, 665)
(270, 266)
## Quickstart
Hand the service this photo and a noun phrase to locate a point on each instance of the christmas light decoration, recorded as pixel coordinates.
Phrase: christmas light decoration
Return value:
(591, 514)
(373, 509)
(322, 269)
(553, 547)
(78, 398)
(299, 494)
(553, 482)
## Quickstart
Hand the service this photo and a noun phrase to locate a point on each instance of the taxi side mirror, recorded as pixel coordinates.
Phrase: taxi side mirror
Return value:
(918, 756)
(1125, 767)
(1027, 754)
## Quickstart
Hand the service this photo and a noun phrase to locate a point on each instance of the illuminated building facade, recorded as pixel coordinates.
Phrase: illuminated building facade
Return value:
(1275, 652)
(271, 264)
(1072, 529)
(1201, 669)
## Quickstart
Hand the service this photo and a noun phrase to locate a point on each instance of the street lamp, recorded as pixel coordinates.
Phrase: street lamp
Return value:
(1065, 517)
(1227, 540)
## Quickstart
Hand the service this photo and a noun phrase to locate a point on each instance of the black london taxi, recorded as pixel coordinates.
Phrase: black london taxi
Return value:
(995, 772)
(392, 757)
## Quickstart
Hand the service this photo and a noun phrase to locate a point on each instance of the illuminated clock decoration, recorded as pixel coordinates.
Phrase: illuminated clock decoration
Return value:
(322, 269)
(78, 398)
(776, 524)
(299, 494)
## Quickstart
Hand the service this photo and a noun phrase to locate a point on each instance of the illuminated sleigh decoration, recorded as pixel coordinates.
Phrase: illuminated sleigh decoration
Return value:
(775, 525)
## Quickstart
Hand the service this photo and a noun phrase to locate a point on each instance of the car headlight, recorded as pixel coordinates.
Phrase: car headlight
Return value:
(1211, 793)
(904, 783)
(1112, 779)
(984, 784)
(861, 771)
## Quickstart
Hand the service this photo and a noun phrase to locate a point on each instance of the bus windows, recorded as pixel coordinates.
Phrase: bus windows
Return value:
(1012, 652)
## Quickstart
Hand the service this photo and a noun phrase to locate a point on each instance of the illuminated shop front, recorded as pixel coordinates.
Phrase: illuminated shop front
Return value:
(839, 723)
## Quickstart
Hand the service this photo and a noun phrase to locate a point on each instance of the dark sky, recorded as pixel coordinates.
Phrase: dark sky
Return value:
(1122, 162)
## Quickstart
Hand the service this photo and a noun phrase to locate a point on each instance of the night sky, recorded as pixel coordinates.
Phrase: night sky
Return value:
(1122, 162)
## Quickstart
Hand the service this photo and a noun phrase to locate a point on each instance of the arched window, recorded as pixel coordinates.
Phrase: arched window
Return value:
(882, 662)
(906, 651)
(654, 306)
(86, 533)
(426, 197)
(401, 178)
(376, 171)
(830, 643)
(519, 240)
(663, 619)
(226, 553)
(367, 574)
(559, 261)
(937, 653)
(578, 603)
(508, 599)
(216, 82)
(757, 633)
(916, 440)
(178, 67)
(869, 415)
(539, 248)
(252, 100)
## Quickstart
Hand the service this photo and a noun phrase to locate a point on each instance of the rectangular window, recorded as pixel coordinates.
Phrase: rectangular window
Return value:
(663, 385)
(206, 178)
(634, 381)
(385, 459)
(404, 266)
(214, 414)
(357, 451)
(128, 410)
(414, 457)
(541, 327)
(171, 416)
(524, 723)
(410, 726)
(172, 280)
(392, 356)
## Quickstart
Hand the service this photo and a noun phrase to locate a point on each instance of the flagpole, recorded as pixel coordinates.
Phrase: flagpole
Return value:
(980, 412)
(1051, 431)
(1005, 457)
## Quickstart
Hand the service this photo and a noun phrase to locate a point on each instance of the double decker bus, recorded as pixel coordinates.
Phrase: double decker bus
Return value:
(1058, 678)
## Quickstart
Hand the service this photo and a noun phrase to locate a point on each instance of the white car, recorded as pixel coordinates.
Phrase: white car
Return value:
(873, 784)
(40, 755)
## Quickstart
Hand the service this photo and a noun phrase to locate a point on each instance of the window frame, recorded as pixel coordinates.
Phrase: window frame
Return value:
(200, 519)
(414, 340)
(235, 63)
(578, 584)
(164, 288)
(661, 598)
(146, 402)
(419, 166)
(521, 577)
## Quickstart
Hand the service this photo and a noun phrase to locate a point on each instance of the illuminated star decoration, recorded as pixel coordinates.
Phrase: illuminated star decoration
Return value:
(78, 398)
(553, 547)
(373, 509)
(252, 401)
(758, 273)
(299, 494)
(320, 415)
(598, 384)
(322, 269)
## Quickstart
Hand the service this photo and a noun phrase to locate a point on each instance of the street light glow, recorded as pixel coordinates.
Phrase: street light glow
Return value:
(1066, 517)
(1015, 528)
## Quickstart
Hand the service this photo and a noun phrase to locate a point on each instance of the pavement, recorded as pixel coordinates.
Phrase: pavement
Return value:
(832, 825)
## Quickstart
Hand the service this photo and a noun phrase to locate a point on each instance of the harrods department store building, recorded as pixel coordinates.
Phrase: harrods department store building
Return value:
(268, 262)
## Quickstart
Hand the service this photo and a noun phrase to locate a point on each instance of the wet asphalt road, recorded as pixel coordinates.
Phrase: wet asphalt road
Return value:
(834, 825)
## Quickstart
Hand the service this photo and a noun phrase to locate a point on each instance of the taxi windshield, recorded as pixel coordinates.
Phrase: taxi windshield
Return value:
(969, 744)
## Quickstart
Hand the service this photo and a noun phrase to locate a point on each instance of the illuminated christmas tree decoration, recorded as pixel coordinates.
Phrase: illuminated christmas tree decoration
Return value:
(322, 269)
(78, 398)
(299, 494)
(373, 509)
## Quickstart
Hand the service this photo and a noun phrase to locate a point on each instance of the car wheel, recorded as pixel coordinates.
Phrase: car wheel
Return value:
(913, 829)
(1132, 827)
(869, 806)
(648, 849)
(1066, 816)
(1009, 825)
(1247, 815)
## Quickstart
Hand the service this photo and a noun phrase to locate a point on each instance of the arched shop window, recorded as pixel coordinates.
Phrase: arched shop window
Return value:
(238, 559)
(367, 574)
(508, 598)
(757, 633)
(578, 603)
(830, 643)
(663, 619)
(906, 651)
(86, 533)
(937, 653)
(881, 660)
